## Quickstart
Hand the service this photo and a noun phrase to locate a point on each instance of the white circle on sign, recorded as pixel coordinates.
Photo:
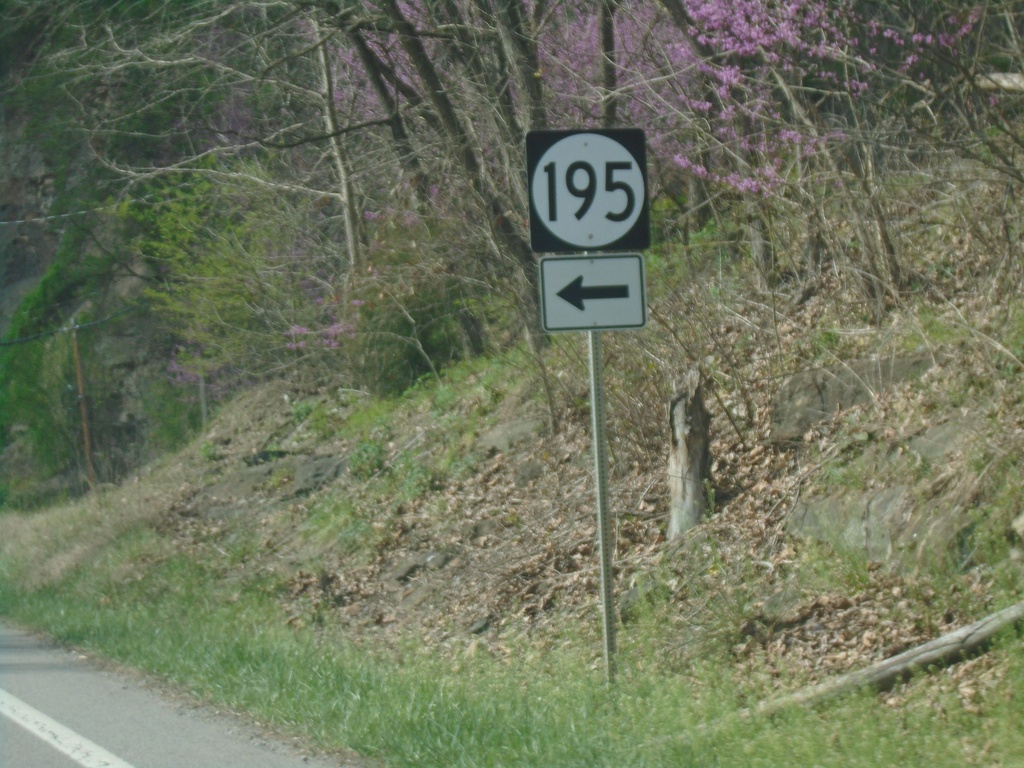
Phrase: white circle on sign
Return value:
(588, 190)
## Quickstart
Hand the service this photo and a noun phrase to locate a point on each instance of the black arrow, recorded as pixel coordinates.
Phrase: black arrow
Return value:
(576, 294)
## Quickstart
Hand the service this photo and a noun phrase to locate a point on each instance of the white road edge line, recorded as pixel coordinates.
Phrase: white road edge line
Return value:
(78, 748)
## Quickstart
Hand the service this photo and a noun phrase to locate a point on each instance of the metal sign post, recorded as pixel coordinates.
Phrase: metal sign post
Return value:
(604, 524)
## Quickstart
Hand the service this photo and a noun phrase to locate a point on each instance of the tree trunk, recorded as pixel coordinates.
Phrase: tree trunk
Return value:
(762, 250)
(689, 460)
(609, 68)
(519, 38)
(469, 154)
(345, 192)
(379, 76)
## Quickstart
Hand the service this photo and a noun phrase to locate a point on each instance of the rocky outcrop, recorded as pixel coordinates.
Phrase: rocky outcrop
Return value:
(27, 241)
(264, 484)
(901, 502)
(123, 356)
(922, 519)
(808, 397)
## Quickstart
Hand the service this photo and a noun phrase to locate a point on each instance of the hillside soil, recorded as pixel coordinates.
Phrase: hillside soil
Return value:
(504, 550)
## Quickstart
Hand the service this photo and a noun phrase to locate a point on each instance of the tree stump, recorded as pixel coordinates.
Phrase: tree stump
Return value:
(689, 459)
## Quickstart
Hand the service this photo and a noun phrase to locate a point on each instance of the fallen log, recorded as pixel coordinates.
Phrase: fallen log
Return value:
(1007, 82)
(941, 651)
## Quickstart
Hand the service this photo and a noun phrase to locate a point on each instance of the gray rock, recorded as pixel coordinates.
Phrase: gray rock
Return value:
(479, 626)
(276, 478)
(938, 441)
(480, 528)
(528, 472)
(435, 561)
(415, 597)
(502, 438)
(407, 569)
(314, 473)
(896, 525)
(866, 524)
(809, 397)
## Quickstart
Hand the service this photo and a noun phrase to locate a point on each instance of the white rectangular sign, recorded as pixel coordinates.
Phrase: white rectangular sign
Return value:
(593, 293)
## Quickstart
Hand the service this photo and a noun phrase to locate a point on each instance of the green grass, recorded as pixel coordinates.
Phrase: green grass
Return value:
(219, 632)
(337, 523)
(413, 710)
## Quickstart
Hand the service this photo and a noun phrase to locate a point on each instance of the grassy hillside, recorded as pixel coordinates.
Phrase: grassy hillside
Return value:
(435, 604)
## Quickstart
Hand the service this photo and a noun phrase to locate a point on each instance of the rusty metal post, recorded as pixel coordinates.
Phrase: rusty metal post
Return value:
(80, 378)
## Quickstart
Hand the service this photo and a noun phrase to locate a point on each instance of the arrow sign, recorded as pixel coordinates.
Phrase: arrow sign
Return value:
(592, 293)
(576, 294)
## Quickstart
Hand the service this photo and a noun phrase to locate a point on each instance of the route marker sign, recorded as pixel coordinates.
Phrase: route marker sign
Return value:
(588, 190)
(593, 293)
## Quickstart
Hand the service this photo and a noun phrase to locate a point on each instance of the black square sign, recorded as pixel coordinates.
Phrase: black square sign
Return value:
(588, 190)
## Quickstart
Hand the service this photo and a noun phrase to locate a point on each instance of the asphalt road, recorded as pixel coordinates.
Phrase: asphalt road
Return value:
(59, 710)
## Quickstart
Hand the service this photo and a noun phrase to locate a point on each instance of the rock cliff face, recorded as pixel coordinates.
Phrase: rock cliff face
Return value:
(28, 240)
(124, 360)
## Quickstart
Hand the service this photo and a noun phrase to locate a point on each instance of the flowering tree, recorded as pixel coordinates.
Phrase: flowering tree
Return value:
(398, 126)
(338, 186)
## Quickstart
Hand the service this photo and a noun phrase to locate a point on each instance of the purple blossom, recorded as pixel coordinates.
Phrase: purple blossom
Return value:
(337, 330)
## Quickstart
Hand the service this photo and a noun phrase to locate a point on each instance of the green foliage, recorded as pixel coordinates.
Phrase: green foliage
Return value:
(446, 399)
(279, 478)
(21, 29)
(225, 288)
(1011, 335)
(408, 327)
(38, 394)
(826, 342)
(42, 102)
(302, 410)
(209, 451)
(34, 377)
(366, 459)
(413, 477)
(245, 285)
(47, 305)
(338, 524)
(411, 708)
(324, 421)
(172, 416)
(37, 377)
(988, 540)
(64, 80)
(938, 329)
(531, 703)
